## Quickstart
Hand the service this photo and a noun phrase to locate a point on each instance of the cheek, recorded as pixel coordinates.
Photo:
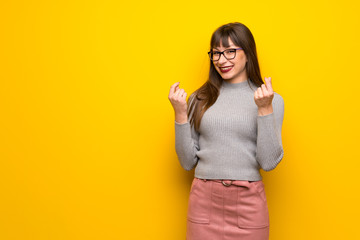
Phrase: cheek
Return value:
(242, 58)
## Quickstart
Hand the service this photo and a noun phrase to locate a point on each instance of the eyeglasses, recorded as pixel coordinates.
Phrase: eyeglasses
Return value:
(228, 54)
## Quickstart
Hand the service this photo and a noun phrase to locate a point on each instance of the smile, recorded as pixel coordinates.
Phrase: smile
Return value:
(225, 69)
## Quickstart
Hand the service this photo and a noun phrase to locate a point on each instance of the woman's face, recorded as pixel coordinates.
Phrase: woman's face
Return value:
(232, 70)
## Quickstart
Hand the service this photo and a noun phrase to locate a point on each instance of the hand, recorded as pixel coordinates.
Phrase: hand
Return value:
(263, 97)
(177, 97)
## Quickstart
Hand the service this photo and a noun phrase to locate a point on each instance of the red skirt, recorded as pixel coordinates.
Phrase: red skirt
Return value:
(227, 210)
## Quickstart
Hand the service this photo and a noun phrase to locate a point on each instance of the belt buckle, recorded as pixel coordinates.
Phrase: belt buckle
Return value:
(225, 184)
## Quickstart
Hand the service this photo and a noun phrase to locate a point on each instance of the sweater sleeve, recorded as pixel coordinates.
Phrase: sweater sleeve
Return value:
(269, 149)
(186, 144)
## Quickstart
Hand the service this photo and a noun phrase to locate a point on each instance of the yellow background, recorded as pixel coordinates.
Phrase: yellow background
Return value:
(87, 130)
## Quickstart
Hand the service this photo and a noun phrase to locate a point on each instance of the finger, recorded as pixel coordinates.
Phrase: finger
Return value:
(181, 92)
(184, 96)
(256, 95)
(264, 90)
(269, 84)
(260, 92)
(173, 87)
(178, 93)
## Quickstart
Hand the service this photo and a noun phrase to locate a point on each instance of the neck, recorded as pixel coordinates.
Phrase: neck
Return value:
(241, 77)
(243, 84)
(237, 80)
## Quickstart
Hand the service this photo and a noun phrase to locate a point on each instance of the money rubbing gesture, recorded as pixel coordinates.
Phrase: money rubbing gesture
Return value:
(177, 97)
(263, 97)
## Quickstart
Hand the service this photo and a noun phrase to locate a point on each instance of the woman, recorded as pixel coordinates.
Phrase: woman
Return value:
(229, 129)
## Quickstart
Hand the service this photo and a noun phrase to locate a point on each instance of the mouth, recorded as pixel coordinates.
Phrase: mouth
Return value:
(226, 69)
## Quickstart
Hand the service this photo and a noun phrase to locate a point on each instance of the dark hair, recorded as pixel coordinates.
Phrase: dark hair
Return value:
(206, 95)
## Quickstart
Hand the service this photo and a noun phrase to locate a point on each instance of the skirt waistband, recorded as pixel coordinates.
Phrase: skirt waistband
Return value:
(227, 183)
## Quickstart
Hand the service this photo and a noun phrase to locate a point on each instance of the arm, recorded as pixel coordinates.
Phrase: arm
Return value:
(186, 144)
(269, 150)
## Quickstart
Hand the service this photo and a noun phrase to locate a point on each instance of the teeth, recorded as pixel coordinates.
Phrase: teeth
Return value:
(226, 68)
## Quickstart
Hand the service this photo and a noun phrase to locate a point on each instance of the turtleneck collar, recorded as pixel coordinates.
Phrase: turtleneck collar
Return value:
(243, 84)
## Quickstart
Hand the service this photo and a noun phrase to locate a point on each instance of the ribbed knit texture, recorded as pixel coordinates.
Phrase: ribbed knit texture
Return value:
(233, 141)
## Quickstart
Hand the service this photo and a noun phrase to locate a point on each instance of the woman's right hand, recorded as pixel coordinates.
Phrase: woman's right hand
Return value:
(177, 97)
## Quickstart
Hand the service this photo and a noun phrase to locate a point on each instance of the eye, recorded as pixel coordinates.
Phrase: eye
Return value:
(216, 53)
(231, 50)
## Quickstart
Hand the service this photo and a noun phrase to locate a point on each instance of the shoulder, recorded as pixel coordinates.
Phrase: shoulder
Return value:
(278, 98)
(278, 101)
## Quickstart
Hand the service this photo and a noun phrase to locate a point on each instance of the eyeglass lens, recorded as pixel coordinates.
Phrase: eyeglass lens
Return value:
(229, 54)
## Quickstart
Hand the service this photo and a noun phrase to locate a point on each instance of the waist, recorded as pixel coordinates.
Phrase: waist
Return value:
(227, 183)
(210, 171)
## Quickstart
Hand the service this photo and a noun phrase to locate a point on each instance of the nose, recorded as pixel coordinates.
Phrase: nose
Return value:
(222, 59)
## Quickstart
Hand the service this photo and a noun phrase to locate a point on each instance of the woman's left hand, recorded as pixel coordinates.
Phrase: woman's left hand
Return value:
(263, 97)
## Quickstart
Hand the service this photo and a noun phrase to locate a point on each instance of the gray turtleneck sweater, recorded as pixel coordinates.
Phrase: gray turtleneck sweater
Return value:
(233, 141)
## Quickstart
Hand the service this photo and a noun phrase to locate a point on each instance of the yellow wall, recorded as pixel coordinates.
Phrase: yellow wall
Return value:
(87, 131)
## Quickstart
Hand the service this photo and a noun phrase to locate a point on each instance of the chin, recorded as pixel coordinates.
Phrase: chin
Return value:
(227, 77)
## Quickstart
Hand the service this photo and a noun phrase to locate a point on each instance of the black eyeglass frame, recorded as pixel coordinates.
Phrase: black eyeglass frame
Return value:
(209, 53)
